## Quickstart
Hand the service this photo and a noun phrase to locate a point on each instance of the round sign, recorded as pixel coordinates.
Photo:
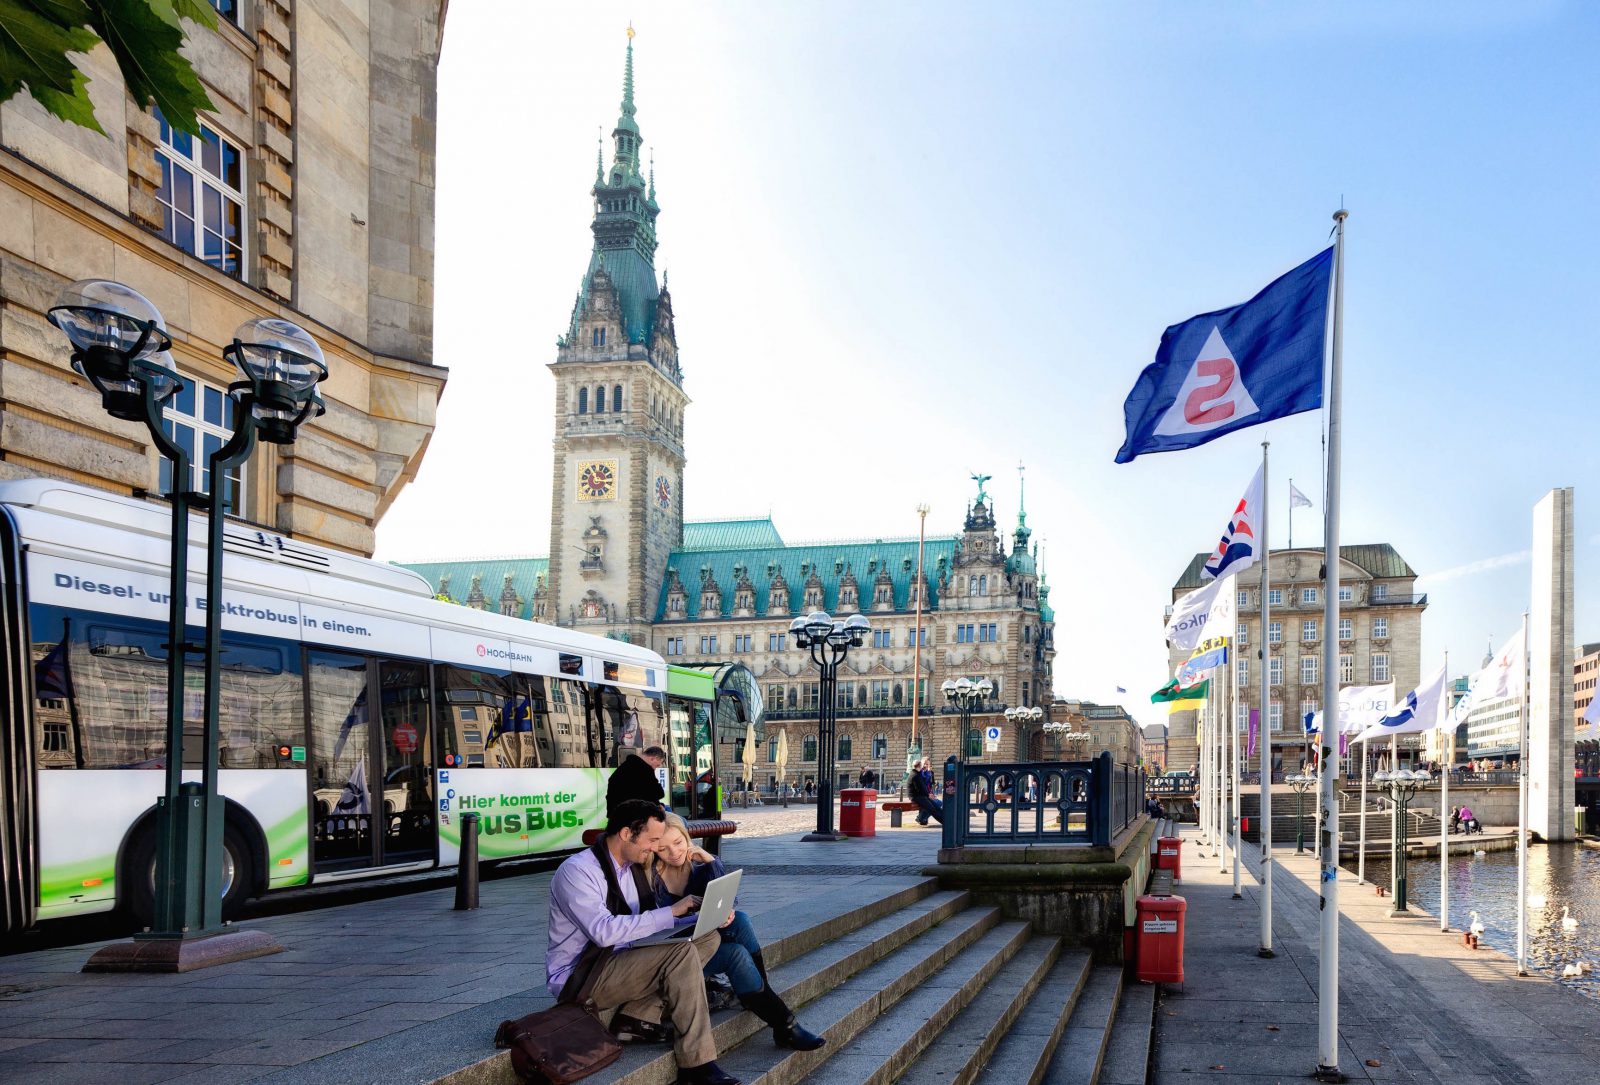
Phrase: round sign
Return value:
(405, 737)
(994, 734)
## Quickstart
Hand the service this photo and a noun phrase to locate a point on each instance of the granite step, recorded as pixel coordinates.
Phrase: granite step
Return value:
(1127, 1058)
(1023, 1054)
(959, 1052)
(1078, 1056)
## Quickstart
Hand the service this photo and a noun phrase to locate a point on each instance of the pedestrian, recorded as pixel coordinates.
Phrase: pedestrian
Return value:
(1455, 818)
(636, 778)
(918, 789)
(679, 869)
(599, 901)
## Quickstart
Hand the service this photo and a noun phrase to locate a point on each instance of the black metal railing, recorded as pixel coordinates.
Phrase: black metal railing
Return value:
(1169, 785)
(1393, 600)
(1040, 802)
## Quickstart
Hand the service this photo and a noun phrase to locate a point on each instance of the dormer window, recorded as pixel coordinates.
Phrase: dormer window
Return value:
(599, 337)
(600, 400)
(583, 401)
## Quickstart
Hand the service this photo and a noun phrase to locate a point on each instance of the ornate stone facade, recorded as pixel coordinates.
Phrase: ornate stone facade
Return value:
(324, 127)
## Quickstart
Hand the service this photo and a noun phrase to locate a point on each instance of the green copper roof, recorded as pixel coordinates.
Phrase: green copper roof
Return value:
(730, 534)
(1376, 559)
(455, 579)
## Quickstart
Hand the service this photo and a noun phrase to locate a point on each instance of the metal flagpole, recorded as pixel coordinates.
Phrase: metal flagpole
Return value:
(1203, 769)
(1361, 853)
(1238, 777)
(1291, 512)
(1522, 812)
(1263, 735)
(1446, 746)
(1222, 779)
(1394, 819)
(1328, 962)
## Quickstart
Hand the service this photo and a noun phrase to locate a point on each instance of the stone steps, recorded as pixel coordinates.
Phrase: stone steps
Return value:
(1082, 1048)
(1127, 1060)
(1023, 1054)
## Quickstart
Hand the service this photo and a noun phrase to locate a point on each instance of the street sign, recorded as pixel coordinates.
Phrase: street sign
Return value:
(405, 737)
(992, 734)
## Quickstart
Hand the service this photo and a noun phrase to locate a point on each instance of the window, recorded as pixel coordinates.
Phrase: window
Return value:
(1242, 634)
(1274, 632)
(844, 747)
(1346, 629)
(1275, 716)
(880, 746)
(228, 9)
(880, 693)
(808, 748)
(1308, 670)
(741, 642)
(708, 644)
(772, 751)
(1308, 595)
(966, 634)
(1347, 670)
(1244, 599)
(583, 401)
(55, 738)
(1380, 591)
(600, 400)
(974, 743)
(1308, 629)
(777, 642)
(915, 635)
(599, 337)
(202, 194)
(1380, 667)
(1380, 628)
(1347, 595)
(994, 632)
(881, 638)
(1241, 667)
(1275, 671)
(199, 419)
(674, 646)
(983, 585)
(1275, 597)
(616, 398)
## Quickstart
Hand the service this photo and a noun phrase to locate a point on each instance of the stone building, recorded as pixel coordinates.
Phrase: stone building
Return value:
(308, 194)
(1585, 678)
(1155, 747)
(1109, 728)
(623, 563)
(1380, 640)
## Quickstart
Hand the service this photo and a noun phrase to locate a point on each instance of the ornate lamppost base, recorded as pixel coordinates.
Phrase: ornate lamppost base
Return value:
(823, 836)
(163, 953)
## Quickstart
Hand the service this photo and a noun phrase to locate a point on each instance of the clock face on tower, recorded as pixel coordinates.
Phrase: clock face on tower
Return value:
(663, 493)
(597, 480)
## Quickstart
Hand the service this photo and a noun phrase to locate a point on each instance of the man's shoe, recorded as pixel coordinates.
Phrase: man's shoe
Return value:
(705, 1074)
(631, 1030)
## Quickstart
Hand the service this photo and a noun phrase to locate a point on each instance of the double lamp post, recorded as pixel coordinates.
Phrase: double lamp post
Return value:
(120, 343)
(1402, 786)
(829, 640)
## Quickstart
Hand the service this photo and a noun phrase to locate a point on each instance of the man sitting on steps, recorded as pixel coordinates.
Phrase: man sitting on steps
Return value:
(595, 915)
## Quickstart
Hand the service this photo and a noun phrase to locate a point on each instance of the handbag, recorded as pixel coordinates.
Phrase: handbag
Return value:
(567, 1042)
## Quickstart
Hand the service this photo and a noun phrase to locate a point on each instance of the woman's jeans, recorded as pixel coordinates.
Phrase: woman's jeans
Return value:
(734, 956)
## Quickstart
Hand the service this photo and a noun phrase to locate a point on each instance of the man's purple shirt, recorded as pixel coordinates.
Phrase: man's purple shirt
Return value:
(578, 915)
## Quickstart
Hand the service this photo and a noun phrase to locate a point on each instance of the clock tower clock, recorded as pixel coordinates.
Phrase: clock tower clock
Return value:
(617, 509)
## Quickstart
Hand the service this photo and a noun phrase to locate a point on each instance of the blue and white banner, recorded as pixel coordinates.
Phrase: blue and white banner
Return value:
(1236, 367)
(1422, 709)
(1238, 550)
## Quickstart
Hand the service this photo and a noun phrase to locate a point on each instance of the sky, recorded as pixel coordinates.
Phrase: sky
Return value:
(909, 242)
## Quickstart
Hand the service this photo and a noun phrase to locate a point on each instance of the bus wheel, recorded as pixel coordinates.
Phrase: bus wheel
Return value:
(141, 874)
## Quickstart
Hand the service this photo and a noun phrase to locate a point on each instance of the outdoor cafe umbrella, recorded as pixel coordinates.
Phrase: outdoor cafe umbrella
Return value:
(783, 764)
(748, 757)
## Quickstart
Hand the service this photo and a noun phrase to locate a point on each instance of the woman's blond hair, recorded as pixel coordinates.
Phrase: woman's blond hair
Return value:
(674, 821)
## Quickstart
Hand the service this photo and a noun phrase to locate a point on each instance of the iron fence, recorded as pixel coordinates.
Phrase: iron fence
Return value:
(1039, 802)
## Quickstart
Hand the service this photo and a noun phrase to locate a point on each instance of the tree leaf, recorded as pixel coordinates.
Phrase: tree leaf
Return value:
(75, 108)
(173, 11)
(62, 12)
(146, 47)
(33, 50)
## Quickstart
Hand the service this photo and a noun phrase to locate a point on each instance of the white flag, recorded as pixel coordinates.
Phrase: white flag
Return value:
(1239, 547)
(1360, 707)
(1423, 709)
(1502, 678)
(1209, 607)
(1298, 500)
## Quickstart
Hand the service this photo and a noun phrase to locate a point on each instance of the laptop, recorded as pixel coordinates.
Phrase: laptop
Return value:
(715, 906)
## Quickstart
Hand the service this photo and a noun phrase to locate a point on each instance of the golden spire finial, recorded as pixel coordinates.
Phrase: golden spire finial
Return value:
(630, 29)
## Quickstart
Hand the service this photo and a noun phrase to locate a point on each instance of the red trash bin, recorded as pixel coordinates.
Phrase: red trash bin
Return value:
(858, 811)
(1158, 934)
(1169, 856)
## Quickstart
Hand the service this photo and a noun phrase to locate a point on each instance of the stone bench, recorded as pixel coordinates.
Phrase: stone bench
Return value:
(897, 809)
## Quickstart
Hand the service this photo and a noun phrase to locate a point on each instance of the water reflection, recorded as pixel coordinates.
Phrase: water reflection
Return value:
(1562, 875)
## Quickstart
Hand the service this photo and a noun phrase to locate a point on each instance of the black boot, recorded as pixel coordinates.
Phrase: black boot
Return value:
(786, 1031)
(761, 965)
(705, 1074)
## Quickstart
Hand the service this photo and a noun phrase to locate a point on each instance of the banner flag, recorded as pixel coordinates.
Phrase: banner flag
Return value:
(1423, 709)
(1174, 692)
(1360, 707)
(1255, 732)
(1298, 500)
(1208, 607)
(1238, 551)
(1233, 368)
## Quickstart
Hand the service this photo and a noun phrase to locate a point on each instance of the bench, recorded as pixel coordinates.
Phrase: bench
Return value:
(897, 809)
(702, 829)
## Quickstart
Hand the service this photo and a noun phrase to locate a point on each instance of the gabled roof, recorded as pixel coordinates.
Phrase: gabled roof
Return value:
(525, 574)
(730, 534)
(1376, 559)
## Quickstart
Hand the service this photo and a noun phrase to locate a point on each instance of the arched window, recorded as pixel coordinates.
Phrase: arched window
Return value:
(880, 746)
(983, 583)
(808, 748)
(599, 337)
(974, 743)
(844, 747)
(583, 401)
(600, 400)
(972, 585)
(616, 398)
(772, 751)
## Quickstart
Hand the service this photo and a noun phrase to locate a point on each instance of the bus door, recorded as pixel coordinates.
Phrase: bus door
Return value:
(370, 777)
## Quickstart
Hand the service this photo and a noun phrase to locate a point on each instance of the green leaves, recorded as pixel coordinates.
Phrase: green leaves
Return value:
(37, 36)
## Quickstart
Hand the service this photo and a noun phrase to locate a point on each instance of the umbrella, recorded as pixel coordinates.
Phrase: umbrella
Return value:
(749, 755)
(783, 762)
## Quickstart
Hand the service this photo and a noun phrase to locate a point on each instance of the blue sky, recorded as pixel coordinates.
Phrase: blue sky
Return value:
(946, 238)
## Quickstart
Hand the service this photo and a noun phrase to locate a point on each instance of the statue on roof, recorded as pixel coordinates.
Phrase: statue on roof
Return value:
(980, 480)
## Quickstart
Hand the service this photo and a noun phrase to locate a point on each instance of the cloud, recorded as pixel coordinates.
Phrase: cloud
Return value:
(1473, 568)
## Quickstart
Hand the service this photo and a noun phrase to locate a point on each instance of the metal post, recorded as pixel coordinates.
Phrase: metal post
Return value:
(467, 865)
(1264, 736)
(1237, 778)
(1447, 748)
(178, 907)
(1361, 847)
(1522, 810)
(1402, 802)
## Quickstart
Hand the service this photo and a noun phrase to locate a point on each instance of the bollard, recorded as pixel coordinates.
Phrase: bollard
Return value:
(467, 865)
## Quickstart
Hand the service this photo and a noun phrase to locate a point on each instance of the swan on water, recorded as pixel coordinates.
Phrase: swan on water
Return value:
(1477, 928)
(1479, 854)
(1567, 922)
(1571, 972)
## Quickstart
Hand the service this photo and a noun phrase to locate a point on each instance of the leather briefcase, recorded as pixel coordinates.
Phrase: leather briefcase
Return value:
(560, 1045)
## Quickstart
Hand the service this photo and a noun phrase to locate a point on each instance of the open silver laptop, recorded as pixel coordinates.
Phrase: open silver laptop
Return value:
(715, 906)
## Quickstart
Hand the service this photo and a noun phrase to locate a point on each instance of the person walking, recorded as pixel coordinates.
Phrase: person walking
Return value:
(600, 904)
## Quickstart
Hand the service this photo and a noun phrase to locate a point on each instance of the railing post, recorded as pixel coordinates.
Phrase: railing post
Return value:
(1100, 800)
(955, 793)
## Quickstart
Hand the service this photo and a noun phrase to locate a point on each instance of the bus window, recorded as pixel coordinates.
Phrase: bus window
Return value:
(472, 707)
(624, 721)
(407, 794)
(560, 729)
(340, 740)
(680, 750)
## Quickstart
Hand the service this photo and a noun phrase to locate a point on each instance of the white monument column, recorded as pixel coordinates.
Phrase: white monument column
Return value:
(1550, 725)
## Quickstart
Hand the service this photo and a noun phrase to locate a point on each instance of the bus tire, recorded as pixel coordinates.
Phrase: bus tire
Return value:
(238, 873)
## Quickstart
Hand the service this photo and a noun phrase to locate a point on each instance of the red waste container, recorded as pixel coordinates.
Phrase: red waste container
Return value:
(1158, 933)
(858, 811)
(1169, 856)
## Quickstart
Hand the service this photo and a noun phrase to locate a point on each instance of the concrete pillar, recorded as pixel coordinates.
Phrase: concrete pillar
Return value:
(1550, 723)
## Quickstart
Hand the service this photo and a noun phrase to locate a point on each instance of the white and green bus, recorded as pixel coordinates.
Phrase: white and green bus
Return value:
(359, 719)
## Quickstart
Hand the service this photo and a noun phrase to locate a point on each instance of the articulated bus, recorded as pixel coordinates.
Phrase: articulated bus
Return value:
(359, 718)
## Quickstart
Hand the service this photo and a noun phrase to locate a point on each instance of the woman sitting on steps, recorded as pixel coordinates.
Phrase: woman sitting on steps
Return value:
(681, 869)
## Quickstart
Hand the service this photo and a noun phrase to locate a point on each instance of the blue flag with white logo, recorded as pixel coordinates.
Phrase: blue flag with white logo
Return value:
(1233, 368)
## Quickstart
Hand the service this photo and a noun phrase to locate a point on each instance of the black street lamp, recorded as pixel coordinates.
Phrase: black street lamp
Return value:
(120, 343)
(829, 640)
(1402, 786)
(1301, 782)
(965, 694)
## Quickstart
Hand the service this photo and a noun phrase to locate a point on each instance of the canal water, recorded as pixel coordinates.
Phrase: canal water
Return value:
(1559, 875)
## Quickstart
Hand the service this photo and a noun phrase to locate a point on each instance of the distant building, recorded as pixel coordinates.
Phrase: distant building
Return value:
(1585, 675)
(1379, 635)
(1155, 747)
(1109, 728)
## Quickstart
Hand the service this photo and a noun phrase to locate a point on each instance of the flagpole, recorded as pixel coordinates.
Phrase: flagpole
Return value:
(1361, 853)
(1522, 811)
(1264, 735)
(1291, 514)
(1238, 777)
(1447, 738)
(1328, 963)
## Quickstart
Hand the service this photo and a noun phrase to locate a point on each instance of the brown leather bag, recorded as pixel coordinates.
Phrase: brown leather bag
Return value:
(567, 1042)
